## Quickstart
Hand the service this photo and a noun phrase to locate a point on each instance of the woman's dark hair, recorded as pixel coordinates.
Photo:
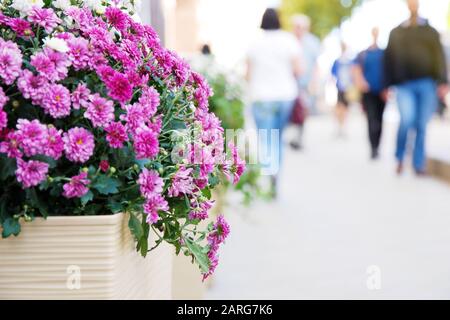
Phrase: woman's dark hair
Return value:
(206, 49)
(270, 20)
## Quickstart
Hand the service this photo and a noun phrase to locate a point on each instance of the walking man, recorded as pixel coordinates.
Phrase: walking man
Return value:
(416, 67)
(368, 77)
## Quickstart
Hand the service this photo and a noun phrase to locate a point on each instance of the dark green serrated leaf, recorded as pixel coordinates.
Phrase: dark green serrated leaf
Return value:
(201, 257)
(37, 202)
(135, 226)
(107, 185)
(11, 226)
(87, 198)
(7, 167)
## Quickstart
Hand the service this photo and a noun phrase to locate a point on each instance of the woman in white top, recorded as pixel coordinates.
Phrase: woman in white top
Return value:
(273, 68)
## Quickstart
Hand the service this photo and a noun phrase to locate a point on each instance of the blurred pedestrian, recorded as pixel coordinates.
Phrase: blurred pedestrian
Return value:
(416, 67)
(342, 72)
(369, 80)
(311, 48)
(273, 67)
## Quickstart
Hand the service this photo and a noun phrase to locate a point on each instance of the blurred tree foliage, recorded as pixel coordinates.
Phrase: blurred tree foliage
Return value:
(325, 14)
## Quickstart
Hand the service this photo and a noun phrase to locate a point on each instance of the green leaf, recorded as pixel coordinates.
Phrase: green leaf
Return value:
(207, 193)
(7, 167)
(87, 198)
(107, 185)
(115, 206)
(11, 226)
(37, 202)
(135, 226)
(200, 256)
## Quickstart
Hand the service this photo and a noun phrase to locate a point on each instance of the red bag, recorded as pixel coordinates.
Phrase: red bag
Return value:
(300, 112)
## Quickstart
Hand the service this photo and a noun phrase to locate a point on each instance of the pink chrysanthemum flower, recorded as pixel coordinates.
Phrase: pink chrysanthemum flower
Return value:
(11, 146)
(80, 96)
(44, 66)
(119, 88)
(3, 98)
(46, 18)
(21, 27)
(32, 87)
(146, 144)
(134, 117)
(234, 167)
(116, 135)
(100, 111)
(200, 211)
(77, 187)
(117, 18)
(152, 206)
(78, 145)
(56, 101)
(32, 136)
(182, 183)
(79, 53)
(31, 173)
(10, 61)
(55, 146)
(3, 119)
(149, 100)
(151, 184)
(61, 62)
(220, 232)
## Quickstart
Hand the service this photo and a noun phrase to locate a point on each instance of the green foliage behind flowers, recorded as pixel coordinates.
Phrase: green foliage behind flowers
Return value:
(98, 118)
(325, 14)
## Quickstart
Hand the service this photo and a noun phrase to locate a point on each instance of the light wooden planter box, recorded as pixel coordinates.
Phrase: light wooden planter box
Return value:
(49, 256)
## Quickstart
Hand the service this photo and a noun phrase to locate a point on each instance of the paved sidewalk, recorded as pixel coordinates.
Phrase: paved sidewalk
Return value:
(339, 214)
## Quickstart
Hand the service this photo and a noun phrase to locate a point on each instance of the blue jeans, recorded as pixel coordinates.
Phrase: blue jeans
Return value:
(417, 101)
(271, 119)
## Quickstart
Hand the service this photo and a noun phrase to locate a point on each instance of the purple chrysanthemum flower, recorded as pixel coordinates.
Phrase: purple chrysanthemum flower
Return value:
(80, 96)
(11, 146)
(151, 184)
(182, 183)
(3, 119)
(116, 135)
(119, 88)
(32, 87)
(220, 232)
(78, 144)
(31, 173)
(100, 111)
(146, 144)
(32, 136)
(3, 98)
(200, 211)
(21, 27)
(56, 101)
(10, 61)
(117, 18)
(234, 167)
(77, 187)
(46, 18)
(149, 101)
(79, 53)
(152, 206)
(55, 145)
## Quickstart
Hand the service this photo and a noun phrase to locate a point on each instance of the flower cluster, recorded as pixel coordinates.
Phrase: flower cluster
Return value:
(91, 110)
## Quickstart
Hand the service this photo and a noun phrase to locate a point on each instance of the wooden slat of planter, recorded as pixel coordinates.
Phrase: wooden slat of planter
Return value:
(34, 265)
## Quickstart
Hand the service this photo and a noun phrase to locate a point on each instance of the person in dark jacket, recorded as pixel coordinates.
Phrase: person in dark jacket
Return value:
(369, 79)
(416, 67)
